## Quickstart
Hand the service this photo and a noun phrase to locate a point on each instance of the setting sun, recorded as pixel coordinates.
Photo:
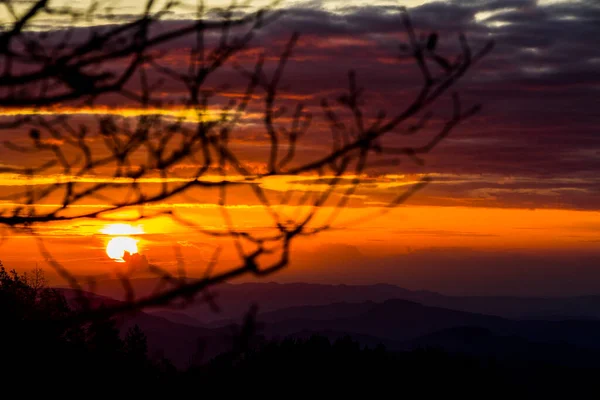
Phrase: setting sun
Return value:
(117, 247)
(121, 241)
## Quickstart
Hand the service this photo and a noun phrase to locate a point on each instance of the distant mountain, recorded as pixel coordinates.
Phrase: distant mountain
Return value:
(396, 320)
(93, 300)
(402, 324)
(177, 317)
(182, 343)
(235, 300)
(398, 324)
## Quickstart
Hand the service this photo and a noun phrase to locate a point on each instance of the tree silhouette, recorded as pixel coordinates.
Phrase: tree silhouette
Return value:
(36, 279)
(35, 348)
(136, 344)
(35, 343)
(85, 64)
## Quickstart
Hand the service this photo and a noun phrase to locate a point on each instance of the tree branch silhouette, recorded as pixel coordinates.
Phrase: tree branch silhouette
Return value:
(46, 75)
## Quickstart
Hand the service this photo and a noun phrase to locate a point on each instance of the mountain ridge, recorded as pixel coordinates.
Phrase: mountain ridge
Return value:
(235, 299)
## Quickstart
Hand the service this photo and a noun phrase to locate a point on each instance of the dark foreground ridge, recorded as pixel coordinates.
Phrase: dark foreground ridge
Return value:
(393, 345)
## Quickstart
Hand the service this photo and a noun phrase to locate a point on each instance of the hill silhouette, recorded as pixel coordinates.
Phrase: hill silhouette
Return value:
(400, 325)
(182, 344)
(402, 320)
(234, 300)
(466, 360)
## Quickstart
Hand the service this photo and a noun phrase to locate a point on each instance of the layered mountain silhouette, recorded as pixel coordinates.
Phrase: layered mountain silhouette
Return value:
(183, 344)
(235, 299)
(398, 322)
(372, 315)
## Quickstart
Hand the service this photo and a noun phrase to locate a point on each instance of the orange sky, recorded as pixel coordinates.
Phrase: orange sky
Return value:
(513, 207)
(80, 245)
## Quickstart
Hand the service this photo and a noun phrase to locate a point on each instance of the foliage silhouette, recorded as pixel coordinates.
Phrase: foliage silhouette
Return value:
(35, 343)
(316, 364)
(92, 355)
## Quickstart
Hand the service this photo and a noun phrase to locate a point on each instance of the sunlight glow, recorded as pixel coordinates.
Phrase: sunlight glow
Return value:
(122, 229)
(117, 247)
(122, 242)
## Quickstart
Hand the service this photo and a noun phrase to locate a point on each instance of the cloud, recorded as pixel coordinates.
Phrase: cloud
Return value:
(536, 142)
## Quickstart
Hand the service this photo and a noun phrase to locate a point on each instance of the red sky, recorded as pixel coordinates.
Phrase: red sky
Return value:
(513, 206)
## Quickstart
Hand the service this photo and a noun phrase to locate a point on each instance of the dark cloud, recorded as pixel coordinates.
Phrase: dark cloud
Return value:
(540, 89)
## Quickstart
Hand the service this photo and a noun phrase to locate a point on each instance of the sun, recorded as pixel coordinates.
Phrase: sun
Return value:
(117, 247)
(121, 240)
